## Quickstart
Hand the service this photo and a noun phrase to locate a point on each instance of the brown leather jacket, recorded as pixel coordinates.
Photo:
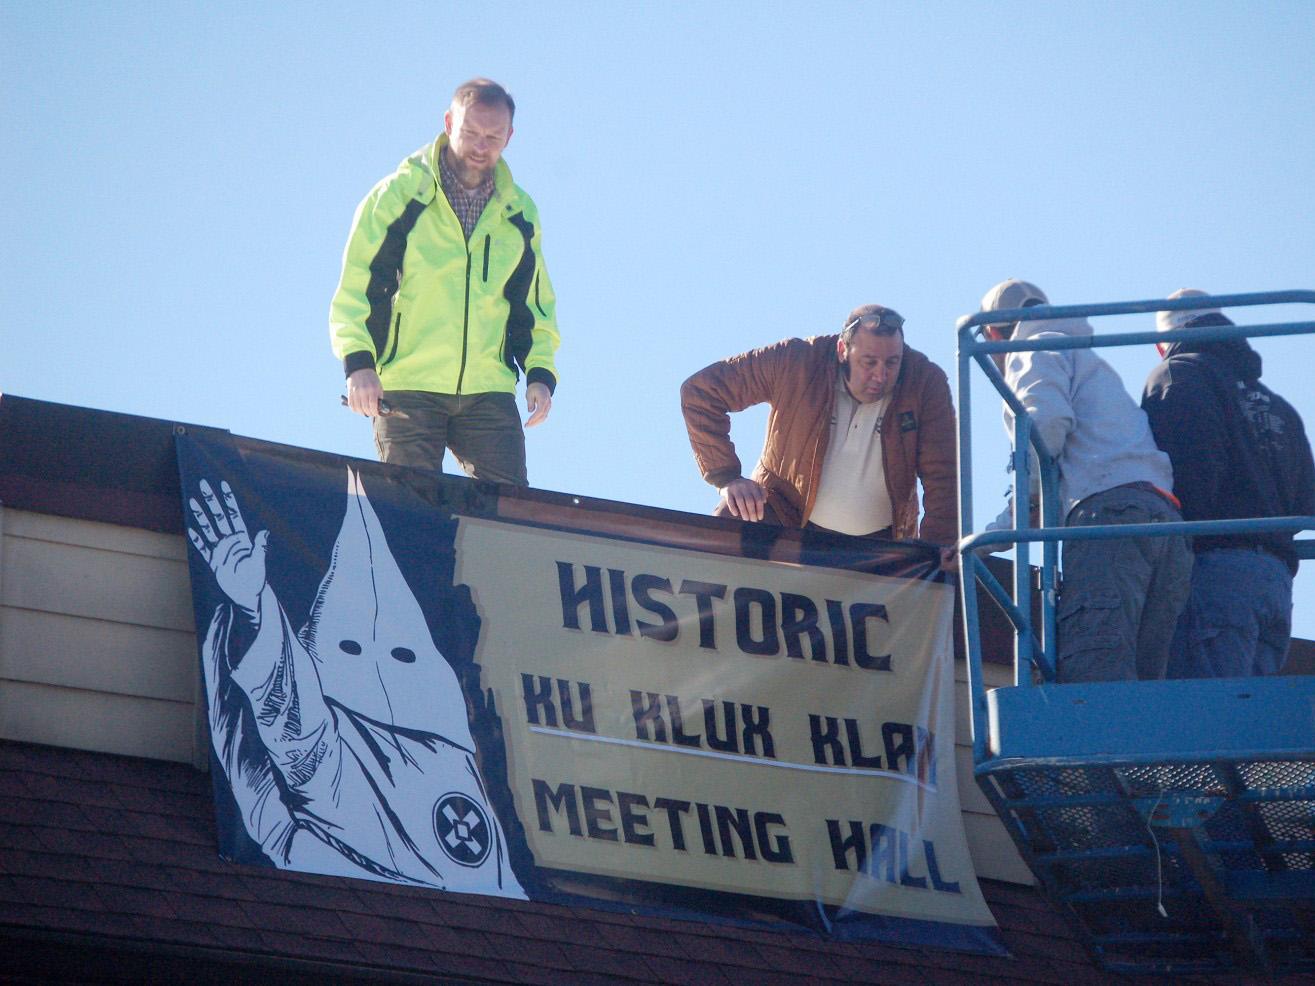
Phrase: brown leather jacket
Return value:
(798, 378)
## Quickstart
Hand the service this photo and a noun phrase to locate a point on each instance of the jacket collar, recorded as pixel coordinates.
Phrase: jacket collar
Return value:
(502, 183)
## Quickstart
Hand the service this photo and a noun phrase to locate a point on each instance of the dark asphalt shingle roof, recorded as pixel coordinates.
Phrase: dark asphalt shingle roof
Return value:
(116, 857)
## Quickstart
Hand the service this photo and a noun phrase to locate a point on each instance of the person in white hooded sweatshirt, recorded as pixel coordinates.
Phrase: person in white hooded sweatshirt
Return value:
(1120, 598)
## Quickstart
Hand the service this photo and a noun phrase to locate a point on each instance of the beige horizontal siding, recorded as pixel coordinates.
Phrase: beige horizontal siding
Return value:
(85, 720)
(97, 655)
(96, 582)
(97, 647)
(92, 534)
(995, 856)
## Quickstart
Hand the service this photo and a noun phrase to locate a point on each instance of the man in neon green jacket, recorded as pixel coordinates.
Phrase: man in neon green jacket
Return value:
(444, 300)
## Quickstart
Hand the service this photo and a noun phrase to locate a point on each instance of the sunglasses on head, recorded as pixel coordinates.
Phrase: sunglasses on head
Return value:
(876, 321)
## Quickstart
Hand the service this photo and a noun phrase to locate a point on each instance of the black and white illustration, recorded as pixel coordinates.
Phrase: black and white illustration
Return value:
(346, 743)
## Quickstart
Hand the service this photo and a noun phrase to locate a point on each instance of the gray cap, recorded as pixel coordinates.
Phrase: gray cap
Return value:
(1164, 321)
(1013, 293)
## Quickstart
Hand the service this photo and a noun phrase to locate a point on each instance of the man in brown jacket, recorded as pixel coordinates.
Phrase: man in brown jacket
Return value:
(856, 420)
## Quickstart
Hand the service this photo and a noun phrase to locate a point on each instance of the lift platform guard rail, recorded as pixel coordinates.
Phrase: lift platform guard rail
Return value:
(1172, 822)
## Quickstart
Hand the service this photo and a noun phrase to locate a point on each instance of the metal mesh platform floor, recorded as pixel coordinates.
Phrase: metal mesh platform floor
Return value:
(1174, 824)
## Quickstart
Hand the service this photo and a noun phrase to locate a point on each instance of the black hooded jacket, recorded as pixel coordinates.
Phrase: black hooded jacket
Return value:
(1237, 448)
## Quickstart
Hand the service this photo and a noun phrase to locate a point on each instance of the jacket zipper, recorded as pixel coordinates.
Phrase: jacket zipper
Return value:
(397, 337)
(812, 486)
(812, 468)
(465, 326)
(465, 315)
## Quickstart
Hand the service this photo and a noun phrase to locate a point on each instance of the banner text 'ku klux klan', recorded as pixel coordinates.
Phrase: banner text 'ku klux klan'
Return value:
(401, 691)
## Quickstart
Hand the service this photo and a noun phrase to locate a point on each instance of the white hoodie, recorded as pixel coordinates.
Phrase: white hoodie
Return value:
(1097, 433)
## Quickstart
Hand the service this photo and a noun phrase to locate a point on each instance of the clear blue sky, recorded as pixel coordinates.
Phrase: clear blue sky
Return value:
(180, 177)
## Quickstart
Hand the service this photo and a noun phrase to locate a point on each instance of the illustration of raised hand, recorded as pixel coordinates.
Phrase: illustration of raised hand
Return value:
(220, 535)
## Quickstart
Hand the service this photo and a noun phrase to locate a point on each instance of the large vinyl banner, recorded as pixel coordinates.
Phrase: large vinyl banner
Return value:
(400, 690)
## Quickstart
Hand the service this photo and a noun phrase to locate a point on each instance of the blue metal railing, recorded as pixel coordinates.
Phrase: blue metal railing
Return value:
(1035, 647)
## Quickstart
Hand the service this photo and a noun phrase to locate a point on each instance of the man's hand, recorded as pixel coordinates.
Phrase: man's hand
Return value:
(745, 498)
(537, 402)
(221, 537)
(950, 558)
(364, 391)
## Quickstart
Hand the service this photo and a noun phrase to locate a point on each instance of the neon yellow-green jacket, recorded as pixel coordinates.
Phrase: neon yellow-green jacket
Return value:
(432, 312)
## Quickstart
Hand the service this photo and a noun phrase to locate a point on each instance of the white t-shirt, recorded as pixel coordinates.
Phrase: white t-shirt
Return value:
(851, 494)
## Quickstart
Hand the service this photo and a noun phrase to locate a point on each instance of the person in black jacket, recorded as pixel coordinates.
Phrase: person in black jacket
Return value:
(1238, 450)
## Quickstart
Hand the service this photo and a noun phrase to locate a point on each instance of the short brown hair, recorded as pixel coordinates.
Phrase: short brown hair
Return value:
(486, 92)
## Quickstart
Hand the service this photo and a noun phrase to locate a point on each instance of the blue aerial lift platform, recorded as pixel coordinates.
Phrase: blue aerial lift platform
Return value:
(1172, 822)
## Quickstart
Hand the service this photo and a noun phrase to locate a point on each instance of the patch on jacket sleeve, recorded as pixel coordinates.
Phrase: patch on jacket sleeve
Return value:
(908, 421)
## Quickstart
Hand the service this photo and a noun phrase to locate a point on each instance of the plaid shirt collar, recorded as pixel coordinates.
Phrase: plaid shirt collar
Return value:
(467, 203)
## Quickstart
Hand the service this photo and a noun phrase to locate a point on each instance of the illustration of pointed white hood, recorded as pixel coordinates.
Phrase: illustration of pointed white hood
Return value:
(368, 635)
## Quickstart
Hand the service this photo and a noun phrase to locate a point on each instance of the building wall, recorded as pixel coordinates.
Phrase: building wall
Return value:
(97, 645)
(98, 652)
